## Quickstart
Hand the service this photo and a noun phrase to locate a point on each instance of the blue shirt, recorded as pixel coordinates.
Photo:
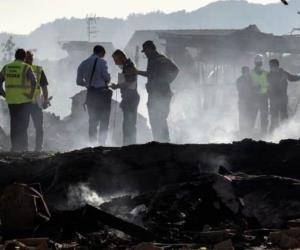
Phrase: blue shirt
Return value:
(101, 76)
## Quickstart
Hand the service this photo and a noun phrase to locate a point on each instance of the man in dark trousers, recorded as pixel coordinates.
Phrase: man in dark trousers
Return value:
(20, 83)
(130, 98)
(246, 102)
(93, 74)
(161, 72)
(40, 101)
(259, 77)
(278, 84)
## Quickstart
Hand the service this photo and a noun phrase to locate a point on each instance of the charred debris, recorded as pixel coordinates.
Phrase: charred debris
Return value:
(243, 195)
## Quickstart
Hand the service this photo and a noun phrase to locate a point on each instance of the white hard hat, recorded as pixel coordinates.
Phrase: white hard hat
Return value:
(258, 58)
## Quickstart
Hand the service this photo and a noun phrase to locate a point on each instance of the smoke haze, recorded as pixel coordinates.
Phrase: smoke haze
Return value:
(198, 115)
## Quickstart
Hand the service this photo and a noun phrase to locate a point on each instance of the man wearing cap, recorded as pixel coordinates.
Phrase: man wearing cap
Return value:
(161, 72)
(259, 77)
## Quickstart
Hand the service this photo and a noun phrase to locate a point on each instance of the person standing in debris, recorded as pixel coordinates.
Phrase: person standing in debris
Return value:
(20, 83)
(246, 92)
(259, 77)
(161, 72)
(127, 83)
(93, 74)
(278, 84)
(40, 101)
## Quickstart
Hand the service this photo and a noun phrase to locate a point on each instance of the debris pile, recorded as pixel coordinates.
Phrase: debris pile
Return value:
(243, 195)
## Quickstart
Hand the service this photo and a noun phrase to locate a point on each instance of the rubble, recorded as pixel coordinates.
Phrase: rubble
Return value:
(225, 245)
(146, 246)
(22, 210)
(219, 196)
(286, 239)
(23, 244)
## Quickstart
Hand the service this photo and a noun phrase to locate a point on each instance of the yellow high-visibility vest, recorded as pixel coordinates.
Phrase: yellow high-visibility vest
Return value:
(16, 82)
(37, 70)
(261, 80)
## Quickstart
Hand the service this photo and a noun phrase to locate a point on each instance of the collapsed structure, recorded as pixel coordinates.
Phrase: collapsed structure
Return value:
(238, 195)
(210, 62)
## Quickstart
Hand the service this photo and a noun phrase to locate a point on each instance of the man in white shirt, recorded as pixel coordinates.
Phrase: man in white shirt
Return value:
(93, 74)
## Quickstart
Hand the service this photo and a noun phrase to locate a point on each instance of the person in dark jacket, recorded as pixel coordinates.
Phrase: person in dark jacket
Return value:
(161, 72)
(127, 83)
(246, 103)
(278, 85)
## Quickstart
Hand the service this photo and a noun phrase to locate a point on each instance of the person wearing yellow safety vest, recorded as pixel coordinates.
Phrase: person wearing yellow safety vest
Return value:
(260, 81)
(40, 101)
(20, 83)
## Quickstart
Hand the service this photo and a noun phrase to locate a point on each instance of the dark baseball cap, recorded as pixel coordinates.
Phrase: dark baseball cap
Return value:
(148, 45)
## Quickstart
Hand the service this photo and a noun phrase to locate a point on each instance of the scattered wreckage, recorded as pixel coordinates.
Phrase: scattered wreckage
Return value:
(243, 195)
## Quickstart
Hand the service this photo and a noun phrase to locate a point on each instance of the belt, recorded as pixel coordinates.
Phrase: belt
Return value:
(101, 88)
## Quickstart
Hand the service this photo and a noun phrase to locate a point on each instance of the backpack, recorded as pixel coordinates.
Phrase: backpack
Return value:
(168, 70)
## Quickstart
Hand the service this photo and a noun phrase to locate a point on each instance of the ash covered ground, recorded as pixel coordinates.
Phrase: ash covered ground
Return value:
(243, 195)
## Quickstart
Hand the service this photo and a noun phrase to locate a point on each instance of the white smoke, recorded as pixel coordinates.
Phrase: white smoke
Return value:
(81, 195)
(288, 130)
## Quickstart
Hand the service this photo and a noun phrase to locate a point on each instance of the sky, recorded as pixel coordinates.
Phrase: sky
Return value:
(23, 16)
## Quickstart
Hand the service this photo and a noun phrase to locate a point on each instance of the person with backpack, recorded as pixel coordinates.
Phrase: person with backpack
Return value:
(161, 72)
(93, 74)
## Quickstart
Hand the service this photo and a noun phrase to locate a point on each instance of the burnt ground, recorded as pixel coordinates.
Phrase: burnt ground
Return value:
(241, 194)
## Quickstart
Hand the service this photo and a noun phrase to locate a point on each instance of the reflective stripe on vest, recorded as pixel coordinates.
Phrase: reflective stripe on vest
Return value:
(16, 82)
(37, 70)
(261, 81)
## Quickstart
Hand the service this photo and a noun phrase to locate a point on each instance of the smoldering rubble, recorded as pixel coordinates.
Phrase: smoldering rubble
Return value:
(243, 195)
